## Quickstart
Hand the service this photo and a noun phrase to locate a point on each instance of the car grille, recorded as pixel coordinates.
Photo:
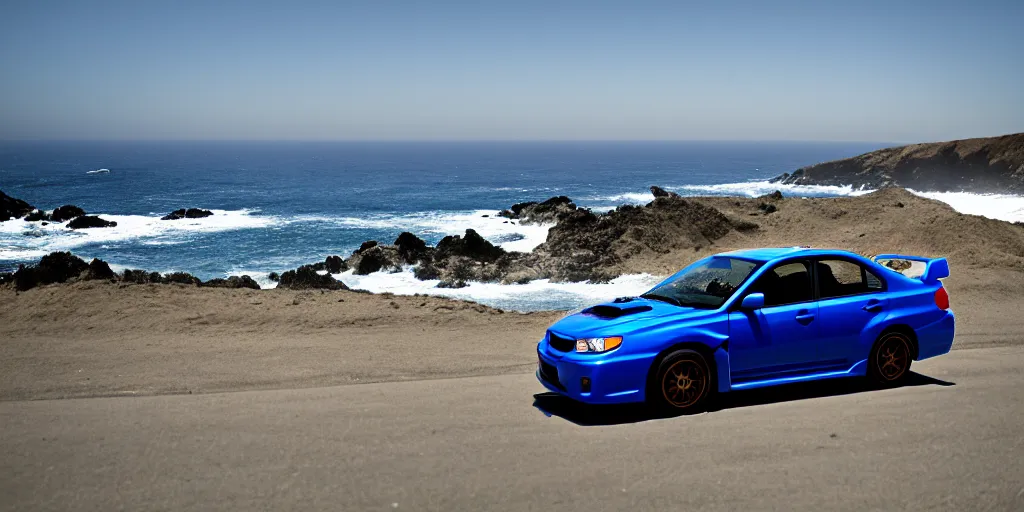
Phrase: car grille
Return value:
(560, 343)
(549, 373)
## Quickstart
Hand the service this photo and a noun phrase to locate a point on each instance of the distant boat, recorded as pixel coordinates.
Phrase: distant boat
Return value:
(99, 171)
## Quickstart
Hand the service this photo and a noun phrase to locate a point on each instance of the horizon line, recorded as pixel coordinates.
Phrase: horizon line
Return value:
(463, 141)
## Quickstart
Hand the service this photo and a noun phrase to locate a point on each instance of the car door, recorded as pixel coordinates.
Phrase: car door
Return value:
(850, 296)
(781, 337)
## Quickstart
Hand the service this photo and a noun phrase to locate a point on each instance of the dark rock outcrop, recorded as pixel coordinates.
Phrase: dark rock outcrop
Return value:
(66, 212)
(56, 267)
(306, 278)
(140, 277)
(660, 192)
(36, 216)
(99, 269)
(426, 272)
(411, 248)
(375, 259)
(187, 213)
(471, 245)
(581, 246)
(587, 246)
(233, 282)
(12, 208)
(369, 244)
(994, 164)
(90, 221)
(181, 278)
(61, 214)
(335, 265)
(546, 212)
(62, 267)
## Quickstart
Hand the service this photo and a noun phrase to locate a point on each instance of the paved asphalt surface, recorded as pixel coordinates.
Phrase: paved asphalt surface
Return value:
(952, 440)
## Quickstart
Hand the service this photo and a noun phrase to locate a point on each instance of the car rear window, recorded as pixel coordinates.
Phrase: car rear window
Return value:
(840, 278)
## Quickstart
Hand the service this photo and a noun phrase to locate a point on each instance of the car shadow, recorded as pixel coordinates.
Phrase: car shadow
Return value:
(552, 404)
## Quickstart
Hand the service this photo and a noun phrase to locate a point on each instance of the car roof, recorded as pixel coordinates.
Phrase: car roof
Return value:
(773, 253)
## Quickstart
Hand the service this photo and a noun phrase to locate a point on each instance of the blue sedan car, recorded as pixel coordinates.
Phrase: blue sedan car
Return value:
(749, 319)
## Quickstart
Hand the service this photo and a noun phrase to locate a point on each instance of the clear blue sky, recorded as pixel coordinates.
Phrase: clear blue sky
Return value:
(518, 69)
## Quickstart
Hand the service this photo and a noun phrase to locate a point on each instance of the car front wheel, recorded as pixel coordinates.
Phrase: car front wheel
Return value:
(682, 383)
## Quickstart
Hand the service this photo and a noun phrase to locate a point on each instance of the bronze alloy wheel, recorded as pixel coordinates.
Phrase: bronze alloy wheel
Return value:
(684, 383)
(892, 357)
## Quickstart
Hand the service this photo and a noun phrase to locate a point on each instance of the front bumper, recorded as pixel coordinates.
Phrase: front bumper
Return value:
(614, 378)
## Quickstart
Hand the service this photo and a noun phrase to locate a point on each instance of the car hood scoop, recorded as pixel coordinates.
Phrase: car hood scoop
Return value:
(616, 310)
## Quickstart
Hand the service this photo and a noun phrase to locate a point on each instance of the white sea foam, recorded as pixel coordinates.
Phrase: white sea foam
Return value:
(1006, 207)
(626, 197)
(30, 240)
(535, 295)
(995, 206)
(760, 188)
(510, 235)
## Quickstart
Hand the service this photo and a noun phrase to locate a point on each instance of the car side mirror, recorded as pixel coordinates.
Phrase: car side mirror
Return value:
(753, 301)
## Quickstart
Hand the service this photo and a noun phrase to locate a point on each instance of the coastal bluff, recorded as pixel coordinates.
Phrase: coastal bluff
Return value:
(983, 165)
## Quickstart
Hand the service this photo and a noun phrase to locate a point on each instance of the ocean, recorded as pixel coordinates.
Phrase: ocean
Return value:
(282, 204)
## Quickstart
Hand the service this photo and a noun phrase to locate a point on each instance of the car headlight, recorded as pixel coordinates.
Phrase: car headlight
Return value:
(598, 344)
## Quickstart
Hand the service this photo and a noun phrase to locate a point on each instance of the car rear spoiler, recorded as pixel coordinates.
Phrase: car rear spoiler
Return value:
(934, 268)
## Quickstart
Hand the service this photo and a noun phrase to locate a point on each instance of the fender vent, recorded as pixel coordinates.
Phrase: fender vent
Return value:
(561, 343)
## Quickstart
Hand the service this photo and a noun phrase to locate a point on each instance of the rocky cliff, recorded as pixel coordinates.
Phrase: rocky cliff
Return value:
(994, 164)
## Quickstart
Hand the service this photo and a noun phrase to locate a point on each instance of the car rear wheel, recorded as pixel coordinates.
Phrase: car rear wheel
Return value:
(890, 358)
(682, 383)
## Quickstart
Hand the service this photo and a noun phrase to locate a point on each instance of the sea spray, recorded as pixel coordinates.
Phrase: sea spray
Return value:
(535, 295)
(1007, 207)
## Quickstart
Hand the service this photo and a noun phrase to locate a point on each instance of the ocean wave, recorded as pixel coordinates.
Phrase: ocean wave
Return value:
(517, 189)
(509, 235)
(536, 295)
(625, 197)
(23, 240)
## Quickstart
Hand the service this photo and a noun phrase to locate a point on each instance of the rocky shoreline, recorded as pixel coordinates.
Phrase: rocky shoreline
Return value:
(581, 245)
(64, 267)
(983, 165)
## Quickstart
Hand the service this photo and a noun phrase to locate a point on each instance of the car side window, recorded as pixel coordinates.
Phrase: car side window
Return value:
(840, 278)
(873, 282)
(785, 284)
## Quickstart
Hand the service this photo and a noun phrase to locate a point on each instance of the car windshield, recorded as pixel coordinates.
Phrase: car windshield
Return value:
(706, 285)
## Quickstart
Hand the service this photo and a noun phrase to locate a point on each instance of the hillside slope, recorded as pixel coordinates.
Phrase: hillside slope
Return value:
(994, 164)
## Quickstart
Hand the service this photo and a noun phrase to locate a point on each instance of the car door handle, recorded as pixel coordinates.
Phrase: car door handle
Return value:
(873, 306)
(804, 317)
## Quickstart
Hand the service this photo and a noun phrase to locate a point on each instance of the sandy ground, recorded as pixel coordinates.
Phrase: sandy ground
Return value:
(101, 339)
(950, 440)
(95, 339)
